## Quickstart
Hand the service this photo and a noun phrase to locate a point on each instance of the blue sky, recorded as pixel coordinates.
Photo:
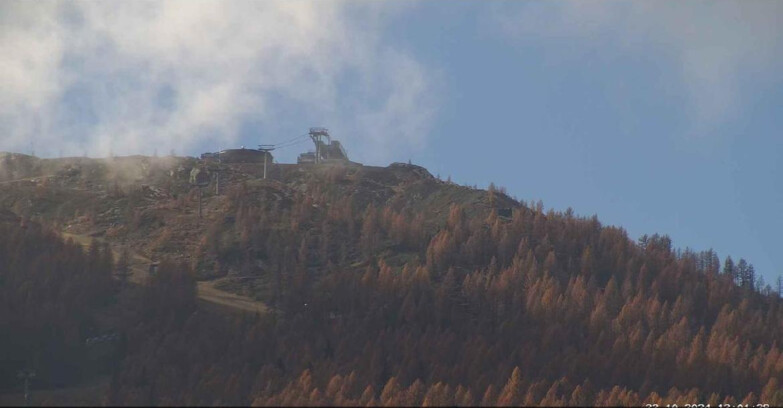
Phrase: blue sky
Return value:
(658, 117)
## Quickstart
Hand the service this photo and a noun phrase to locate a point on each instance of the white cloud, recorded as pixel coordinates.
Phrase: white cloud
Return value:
(126, 76)
(723, 51)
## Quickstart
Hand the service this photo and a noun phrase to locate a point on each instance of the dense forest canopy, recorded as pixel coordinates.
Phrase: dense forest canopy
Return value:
(422, 293)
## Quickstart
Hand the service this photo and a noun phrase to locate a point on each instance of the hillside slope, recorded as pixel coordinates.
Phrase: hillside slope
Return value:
(389, 286)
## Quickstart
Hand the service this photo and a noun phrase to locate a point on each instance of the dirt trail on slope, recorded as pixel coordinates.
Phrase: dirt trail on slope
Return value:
(139, 268)
(208, 292)
(26, 179)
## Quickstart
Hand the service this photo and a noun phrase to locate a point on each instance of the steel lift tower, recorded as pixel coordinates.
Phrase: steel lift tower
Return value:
(318, 134)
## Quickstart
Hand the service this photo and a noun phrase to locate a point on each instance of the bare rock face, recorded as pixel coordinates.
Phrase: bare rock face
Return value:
(411, 170)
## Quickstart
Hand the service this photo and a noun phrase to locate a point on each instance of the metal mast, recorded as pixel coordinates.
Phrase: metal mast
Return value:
(26, 375)
(217, 175)
(266, 149)
(199, 177)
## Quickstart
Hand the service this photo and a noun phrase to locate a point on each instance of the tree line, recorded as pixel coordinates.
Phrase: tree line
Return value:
(373, 304)
(385, 302)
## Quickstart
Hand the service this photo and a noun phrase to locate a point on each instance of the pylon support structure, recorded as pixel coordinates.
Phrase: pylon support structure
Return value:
(266, 149)
(318, 134)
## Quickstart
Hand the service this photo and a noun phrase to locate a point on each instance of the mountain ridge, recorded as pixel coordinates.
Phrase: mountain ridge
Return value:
(385, 285)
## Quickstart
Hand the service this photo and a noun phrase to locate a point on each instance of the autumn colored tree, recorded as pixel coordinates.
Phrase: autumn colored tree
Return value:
(416, 294)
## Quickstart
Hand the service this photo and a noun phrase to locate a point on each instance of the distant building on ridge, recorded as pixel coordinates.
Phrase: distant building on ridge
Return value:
(241, 155)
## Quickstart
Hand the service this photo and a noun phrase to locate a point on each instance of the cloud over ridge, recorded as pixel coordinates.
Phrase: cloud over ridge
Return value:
(126, 76)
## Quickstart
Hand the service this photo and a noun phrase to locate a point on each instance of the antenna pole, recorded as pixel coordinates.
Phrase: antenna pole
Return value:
(27, 391)
(266, 149)
(217, 178)
(26, 374)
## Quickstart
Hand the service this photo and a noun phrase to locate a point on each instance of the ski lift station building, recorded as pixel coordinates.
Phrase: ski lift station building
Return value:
(241, 155)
